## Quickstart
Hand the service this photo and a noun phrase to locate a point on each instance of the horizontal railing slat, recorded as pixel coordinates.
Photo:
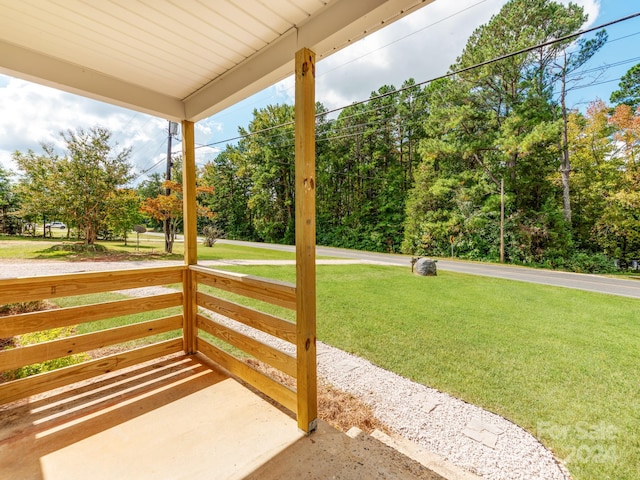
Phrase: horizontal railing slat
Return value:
(267, 290)
(45, 320)
(263, 352)
(278, 327)
(30, 354)
(55, 286)
(14, 290)
(43, 382)
(267, 385)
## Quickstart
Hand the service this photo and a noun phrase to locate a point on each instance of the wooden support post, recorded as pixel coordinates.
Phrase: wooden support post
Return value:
(305, 193)
(190, 233)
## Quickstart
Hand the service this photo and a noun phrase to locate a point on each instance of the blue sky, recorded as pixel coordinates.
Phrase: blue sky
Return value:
(420, 46)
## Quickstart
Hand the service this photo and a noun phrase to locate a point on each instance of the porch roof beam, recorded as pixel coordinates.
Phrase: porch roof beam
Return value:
(38, 68)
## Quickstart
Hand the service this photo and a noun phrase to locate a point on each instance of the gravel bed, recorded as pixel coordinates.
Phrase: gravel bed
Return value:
(438, 422)
(441, 423)
(468, 436)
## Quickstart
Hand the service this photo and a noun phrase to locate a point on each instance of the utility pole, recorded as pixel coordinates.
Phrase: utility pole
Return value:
(169, 165)
(172, 129)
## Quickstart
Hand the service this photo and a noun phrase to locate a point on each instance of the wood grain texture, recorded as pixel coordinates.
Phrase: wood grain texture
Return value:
(278, 327)
(263, 352)
(305, 68)
(190, 214)
(30, 354)
(54, 286)
(280, 393)
(63, 317)
(28, 386)
(266, 290)
(189, 308)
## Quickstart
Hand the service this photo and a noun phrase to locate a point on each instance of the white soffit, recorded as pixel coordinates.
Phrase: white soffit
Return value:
(177, 59)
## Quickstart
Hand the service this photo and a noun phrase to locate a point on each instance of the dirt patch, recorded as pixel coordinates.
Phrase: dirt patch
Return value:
(122, 257)
(339, 409)
(25, 307)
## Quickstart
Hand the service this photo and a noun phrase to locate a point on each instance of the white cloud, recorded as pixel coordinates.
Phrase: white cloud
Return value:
(591, 8)
(420, 46)
(206, 154)
(285, 90)
(27, 119)
(33, 114)
(208, 126)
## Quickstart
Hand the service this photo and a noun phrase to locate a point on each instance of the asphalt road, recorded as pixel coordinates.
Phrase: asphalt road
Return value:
(592, 283)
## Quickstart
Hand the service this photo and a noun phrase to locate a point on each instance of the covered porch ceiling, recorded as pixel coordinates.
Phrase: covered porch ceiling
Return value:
(177, 59)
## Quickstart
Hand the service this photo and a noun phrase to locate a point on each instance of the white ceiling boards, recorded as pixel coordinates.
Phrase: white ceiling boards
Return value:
(177, 59)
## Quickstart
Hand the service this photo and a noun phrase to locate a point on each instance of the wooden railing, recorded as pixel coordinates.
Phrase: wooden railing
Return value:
(56, 286)
(277, 293)
(260, 335)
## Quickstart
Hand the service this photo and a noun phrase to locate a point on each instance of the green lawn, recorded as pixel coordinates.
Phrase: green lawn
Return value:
(90, 327)
(561, 363)
(151, 247)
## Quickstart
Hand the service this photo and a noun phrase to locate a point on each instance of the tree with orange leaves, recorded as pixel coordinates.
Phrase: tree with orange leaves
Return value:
(169, 208)
(618, 229)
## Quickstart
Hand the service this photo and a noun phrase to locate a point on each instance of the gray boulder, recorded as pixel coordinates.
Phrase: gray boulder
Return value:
(425, 267)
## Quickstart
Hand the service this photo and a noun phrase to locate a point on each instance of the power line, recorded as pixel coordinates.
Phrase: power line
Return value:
(605, 66)
(596, 83)
(497, 59)
(623, 37)
(431, 25)
(406, 36)
(446, 75)
(144, 172)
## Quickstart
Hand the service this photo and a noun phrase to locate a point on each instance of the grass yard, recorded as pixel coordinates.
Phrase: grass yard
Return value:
(151, 247)
(90, 327)
(561, 363)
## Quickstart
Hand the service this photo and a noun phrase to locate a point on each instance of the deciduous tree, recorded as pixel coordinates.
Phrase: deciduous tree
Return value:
(8, 201)
(628, 92)
(123, 211)
(90, 172)
(38, 185)
(169, 208)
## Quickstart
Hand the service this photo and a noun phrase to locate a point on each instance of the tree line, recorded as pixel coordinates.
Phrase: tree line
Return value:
(417, 169)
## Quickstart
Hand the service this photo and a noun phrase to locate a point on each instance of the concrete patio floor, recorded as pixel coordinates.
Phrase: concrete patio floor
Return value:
(174, 418)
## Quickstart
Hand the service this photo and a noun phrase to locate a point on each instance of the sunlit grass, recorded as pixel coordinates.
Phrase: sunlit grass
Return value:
(561, 363)
(150, 247)
(91, 327)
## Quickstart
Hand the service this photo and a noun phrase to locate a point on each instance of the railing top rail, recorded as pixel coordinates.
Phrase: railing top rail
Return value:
(54, 286)
(240, 276)
(265, 289)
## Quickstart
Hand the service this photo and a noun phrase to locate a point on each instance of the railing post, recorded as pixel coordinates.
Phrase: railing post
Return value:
(305, 195)
(190, 234)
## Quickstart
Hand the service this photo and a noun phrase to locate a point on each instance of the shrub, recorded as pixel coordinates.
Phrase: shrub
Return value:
(78, 248)
(211, 235)
(582, 262)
